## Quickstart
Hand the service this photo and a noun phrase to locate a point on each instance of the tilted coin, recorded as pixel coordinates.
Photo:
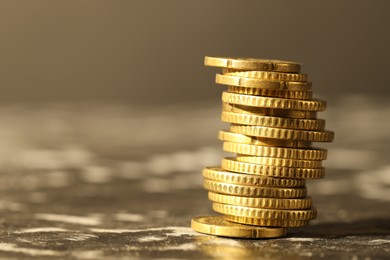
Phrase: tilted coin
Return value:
(277, 152)
(271, 92)
(294, 163)
(220, 175)
(219, 226)
(262, 83)
(269, 75)
(271, 102)
(231, 164)
(253, 191)
(268, 203)
(271, 121)
(242, 109)
(284, 134)
(268, 222)
(240, 138)
(252, 64)
(304, 214)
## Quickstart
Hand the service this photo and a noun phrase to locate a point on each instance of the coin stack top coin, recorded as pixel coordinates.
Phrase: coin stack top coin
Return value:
(273, 116)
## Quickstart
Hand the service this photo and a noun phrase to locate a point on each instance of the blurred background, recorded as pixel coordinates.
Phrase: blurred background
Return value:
(115, 94)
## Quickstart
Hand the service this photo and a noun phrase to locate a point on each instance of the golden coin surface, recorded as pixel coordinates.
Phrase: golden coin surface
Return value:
(284, 134)
(268, 203)
(253, 191)
(304, 214)
(248, 82)
(268, 222)
(252, 64)
(268, 75)
(271, 102)
(271, 92)
(240, 138)
(277, 152)
(268, 111)
(220, 175)
(219, 226)
(271, 121)
(280, 162)
(262, 83)
(231, 164)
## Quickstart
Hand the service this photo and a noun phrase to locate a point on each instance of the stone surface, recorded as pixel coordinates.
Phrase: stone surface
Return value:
(125, 185)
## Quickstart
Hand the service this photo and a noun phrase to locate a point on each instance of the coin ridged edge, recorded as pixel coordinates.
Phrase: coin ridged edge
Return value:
(270, 102)
(244, 139)
(305, 95)
(270, 121)
(232, 229)
(284, 134)
(230, 164)
(226, 209)
(267, 222)
(277, 152)
(253, 191)
(252, 64)
(270, 203)
(264, 111)
(269, 75)
(280, 162)
(218, 174)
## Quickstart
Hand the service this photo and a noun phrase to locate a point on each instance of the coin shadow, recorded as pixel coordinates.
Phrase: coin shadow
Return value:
(365, 227)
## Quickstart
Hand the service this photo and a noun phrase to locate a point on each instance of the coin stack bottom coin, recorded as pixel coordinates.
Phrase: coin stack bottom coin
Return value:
(273, 121)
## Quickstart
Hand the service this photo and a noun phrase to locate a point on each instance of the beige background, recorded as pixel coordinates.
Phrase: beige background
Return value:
(151, 52)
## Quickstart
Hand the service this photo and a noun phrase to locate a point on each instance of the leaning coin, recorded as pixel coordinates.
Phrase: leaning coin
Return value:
(280, 162)
(277, 152)
(271, 121)
(252, 64)
(284, 134)
(269, 75)
(219, 226)
(218, 174)
(242, 109)
(268, 222)
(267, 203)
(304, 214)
(253, 191)
(240, 138)
(271, 92)
(231, 164)
(276, 103)
(245, 82)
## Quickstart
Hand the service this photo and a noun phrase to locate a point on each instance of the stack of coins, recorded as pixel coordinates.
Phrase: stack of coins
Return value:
(261, 191)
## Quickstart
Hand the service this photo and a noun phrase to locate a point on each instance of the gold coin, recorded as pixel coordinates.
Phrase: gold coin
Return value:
(271, 92)
(252, 64)
(253, 191)
(262, 83)
(240, 138)
(271, 102)
(268, 222)
(267, 203)
(284, 134)
(231, 164)
(219, 226)
(268, 111)
(280, 162)
(268, 75)
(218, 174)
(277, 152)
(270, 121)
(248, 82)
(305, 214)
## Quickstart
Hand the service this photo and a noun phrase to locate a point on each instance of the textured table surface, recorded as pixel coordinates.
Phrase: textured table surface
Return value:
(110, 181)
